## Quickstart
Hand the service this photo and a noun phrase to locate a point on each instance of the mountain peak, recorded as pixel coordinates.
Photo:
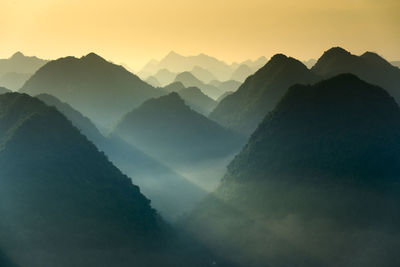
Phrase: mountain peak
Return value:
(17, 54)
(374, 57)
(336, 51)
(93, 57)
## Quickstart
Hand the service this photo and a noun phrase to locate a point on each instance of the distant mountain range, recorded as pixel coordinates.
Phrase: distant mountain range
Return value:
(97, 88)
(166, 128)
(316, 185)
(17, 69)
(204, 67)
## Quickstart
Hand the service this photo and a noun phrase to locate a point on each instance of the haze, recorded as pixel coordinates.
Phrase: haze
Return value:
(133, 32)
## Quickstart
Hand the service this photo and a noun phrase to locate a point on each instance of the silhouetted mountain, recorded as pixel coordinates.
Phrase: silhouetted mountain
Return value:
(243, 110)
(97, 88)
(369, 67)
(178, 63)
(198, 101)
(170, 193)
(165, 76)
(16, 70)
(169, 130)
(153, 81)
(310, 63)
(316, 185)
(64, 204)
(202, 74)
(241, 73)
(189, 80)
(226, 86)
(61, 196)
(4, 90)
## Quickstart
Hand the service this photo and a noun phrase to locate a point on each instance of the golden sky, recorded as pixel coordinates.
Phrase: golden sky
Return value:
(133, 32)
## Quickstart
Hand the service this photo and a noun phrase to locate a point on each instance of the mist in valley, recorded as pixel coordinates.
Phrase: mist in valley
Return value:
(233, 135)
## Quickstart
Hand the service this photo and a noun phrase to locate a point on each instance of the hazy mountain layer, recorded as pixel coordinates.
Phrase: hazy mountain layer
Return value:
(243, 110)
(242, 72)
(204, 75)
(316, 185)
(189, 80)
(171, 194)
(198, 101)
(178, 63)
(226, 86)
(99, 89)
(16, 70)
(168, 129)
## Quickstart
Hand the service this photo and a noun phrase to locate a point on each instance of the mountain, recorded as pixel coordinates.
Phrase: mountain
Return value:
(219, 99)
(165, 76)
(4, 90)
(63, 203)
(153, 81)
(253, 64)
(174, 87)
(97, 88)
(193, 97)
(243, 110)
(241, 73)
(177, 63)
(226, 86)
(197, 100)
(62, 196)
(189, 80)
(17, 69)
(316, 185)
(310, 63)
(204, 75)
(171, 194)
(167, 129)
(369, 67)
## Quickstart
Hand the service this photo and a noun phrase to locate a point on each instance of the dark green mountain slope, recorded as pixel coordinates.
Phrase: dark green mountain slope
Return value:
(99, 89)
(369, 67)
(168, 129)
(243, 110)
(64, 204)
(317, 184)
(171, 194)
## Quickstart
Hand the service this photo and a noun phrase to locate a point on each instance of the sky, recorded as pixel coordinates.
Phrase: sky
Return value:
(132, 32)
